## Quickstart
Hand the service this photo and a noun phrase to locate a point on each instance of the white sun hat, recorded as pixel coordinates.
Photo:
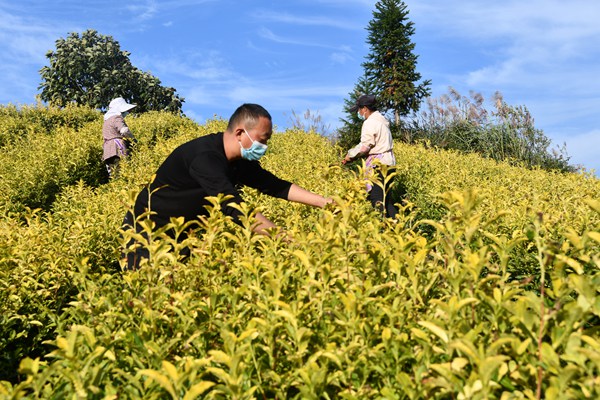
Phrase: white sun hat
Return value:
(117, 107)
(119, 104)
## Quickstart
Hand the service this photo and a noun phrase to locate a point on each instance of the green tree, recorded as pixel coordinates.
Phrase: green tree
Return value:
(391, 64)
(91, 69)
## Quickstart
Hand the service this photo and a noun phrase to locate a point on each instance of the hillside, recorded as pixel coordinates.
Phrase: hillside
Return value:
(485, 287)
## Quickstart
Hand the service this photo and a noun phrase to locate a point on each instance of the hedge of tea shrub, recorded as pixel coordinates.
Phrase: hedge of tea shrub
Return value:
(509, 195)
(17, 122)
(438, 304)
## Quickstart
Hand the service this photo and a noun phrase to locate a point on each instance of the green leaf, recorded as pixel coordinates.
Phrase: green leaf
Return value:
(220, 357)
(420, 334)
(489, 365)
(594, 235)
(549, 357)
(303, 257)
(523, 346)
(171, 370)
(439, 332)
(197, 390)
(161, 379)
(467, 348)
(594, 204)
(459, 363)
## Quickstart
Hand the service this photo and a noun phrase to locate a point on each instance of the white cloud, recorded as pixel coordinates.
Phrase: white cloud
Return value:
(149, 9)
(341, 57)
(474, 19)
(25, 39)
(143, 11)
(287, 18)
(279, 97)
(267, 34)
(204, 66)
(345, 3)
(541, 53)
(528, 33)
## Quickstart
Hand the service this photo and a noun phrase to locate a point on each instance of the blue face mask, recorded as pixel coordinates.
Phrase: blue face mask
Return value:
(360, 116)
(255, 152)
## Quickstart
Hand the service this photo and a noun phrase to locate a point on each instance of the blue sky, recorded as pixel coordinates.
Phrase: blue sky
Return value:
(295, 55)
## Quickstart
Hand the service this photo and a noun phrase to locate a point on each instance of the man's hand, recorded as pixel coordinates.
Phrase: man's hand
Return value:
(328, 201)
(263, 225)
(285, 236)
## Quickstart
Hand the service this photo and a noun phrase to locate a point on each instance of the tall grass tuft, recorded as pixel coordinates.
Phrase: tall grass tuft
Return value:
(506, 133)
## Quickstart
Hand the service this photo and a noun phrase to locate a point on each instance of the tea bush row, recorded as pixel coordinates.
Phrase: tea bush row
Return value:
(17, 122)
(82, 222)
(37, 167)
(509, 193)
(354, 307)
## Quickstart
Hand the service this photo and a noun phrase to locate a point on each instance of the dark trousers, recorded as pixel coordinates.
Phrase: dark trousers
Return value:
(138, 253)
(112, 166)
(376, 197)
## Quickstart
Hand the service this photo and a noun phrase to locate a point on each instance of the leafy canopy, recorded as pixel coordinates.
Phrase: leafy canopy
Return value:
(391, 64)
(389, 71)
(91, 69)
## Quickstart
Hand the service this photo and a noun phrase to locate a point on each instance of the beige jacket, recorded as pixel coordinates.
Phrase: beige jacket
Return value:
(376, 136)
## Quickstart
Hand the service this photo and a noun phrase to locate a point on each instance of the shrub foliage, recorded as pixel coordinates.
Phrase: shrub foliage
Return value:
(486, 287)
(91, 70)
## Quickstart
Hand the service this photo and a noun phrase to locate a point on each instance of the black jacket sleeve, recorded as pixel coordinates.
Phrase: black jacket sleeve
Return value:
(252, 174)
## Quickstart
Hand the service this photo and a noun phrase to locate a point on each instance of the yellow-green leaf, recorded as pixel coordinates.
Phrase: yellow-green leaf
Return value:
(595, 236)
(198, 389)
(171, 370)
(161, 379)
(436, 330)
(220, 357)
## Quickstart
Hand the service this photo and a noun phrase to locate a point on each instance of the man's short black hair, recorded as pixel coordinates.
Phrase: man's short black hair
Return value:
(248, 113)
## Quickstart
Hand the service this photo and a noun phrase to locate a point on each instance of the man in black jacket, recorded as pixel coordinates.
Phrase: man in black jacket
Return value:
(211, 165)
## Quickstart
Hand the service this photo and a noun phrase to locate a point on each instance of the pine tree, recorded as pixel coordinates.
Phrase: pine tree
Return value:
(391, 65)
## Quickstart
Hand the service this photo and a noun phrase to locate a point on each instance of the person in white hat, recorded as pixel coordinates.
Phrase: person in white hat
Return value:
(116, 134)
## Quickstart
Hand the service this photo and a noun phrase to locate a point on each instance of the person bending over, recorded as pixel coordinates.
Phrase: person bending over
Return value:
(210, 165)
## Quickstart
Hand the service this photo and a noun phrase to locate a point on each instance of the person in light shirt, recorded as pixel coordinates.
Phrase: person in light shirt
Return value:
(376, 145)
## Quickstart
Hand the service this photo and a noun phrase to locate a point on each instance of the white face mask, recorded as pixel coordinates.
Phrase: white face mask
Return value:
(256, 150)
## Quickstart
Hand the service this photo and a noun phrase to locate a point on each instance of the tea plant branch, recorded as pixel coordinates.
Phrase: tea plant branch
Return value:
(542, 263)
